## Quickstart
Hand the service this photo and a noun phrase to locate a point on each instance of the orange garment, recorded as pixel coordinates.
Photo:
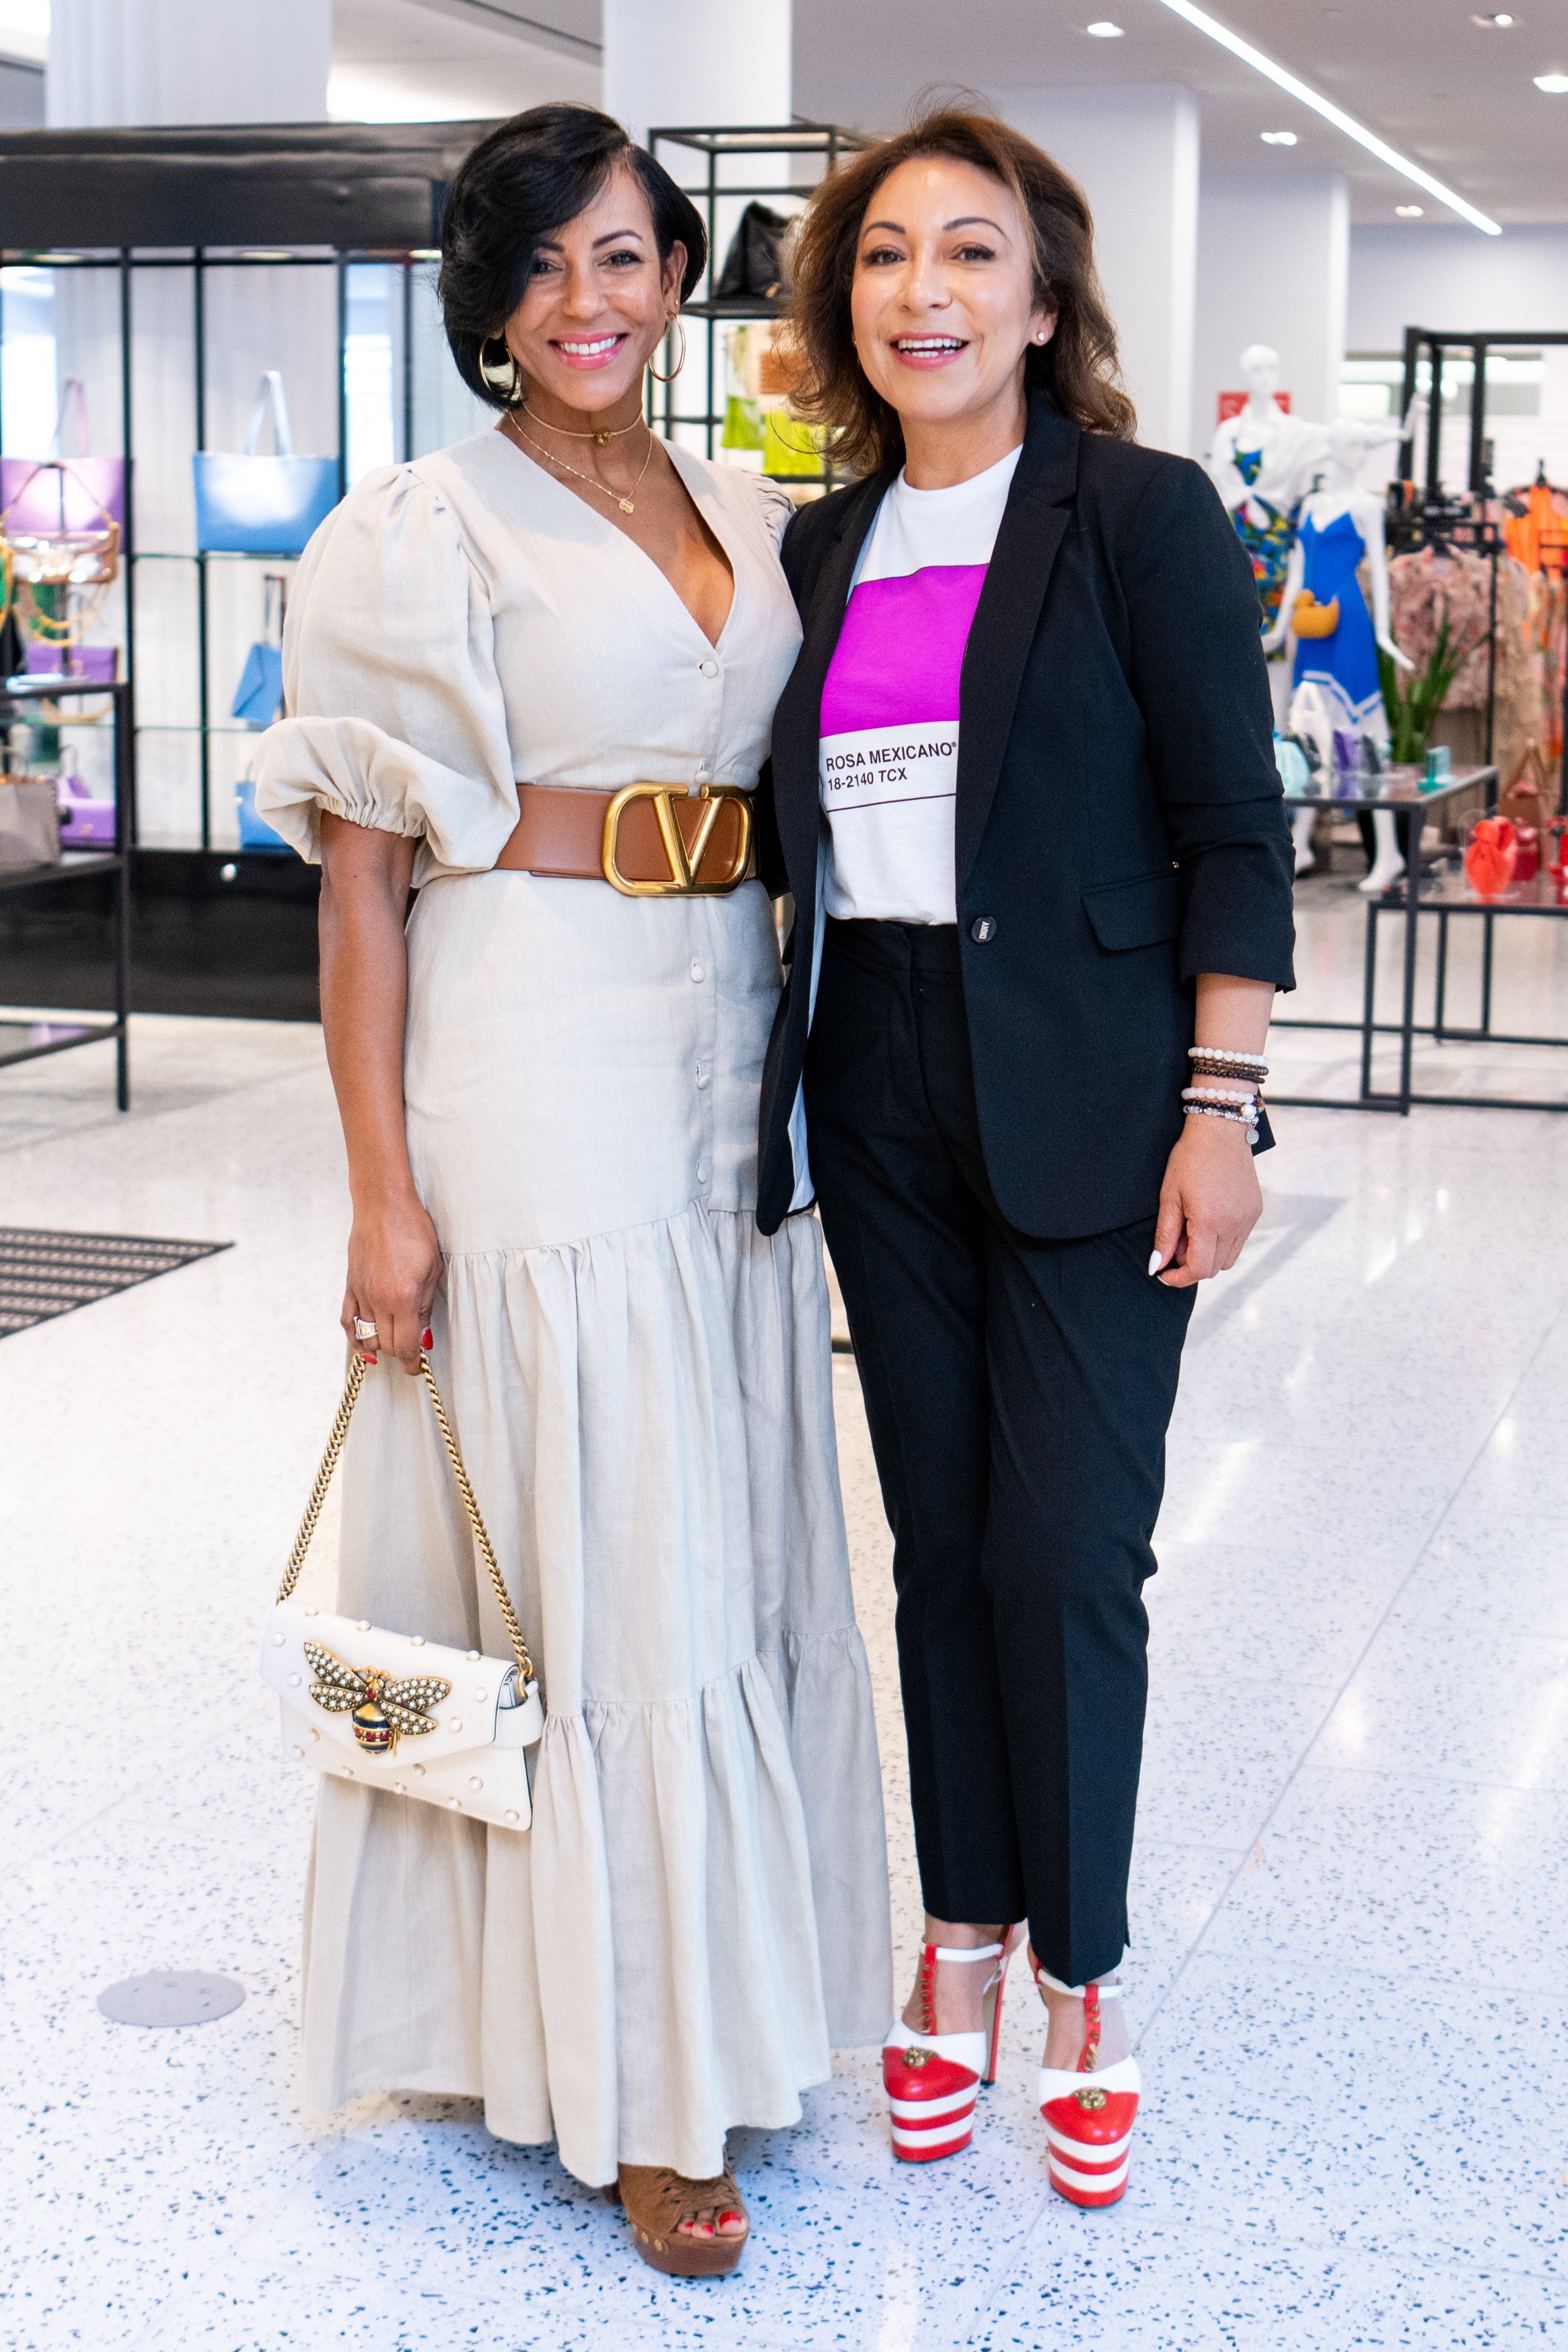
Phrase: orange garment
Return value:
(1539, 538)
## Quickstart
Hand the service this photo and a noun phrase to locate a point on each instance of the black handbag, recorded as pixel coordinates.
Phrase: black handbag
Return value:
(754, 269)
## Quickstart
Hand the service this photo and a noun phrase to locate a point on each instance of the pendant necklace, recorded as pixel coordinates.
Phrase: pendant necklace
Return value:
(599, 435)
(625, 504)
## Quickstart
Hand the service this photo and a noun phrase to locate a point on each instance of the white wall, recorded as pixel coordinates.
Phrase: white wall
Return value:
(1442, 277)
(1272, 267)
(686, 62)
(151, 61)
(1135, 153)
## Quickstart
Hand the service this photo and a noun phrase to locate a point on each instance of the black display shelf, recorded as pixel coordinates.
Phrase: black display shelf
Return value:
(28, 1036)
(828, 143)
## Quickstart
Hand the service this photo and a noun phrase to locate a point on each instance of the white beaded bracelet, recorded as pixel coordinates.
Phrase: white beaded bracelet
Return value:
(1224, 1054)
(1206, 1111)
(1218, 1095)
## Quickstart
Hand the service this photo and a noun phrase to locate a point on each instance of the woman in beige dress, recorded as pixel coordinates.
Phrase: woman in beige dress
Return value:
(548, 1093)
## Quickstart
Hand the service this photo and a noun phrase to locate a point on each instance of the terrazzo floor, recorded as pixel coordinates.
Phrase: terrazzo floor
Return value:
(1352, 1868)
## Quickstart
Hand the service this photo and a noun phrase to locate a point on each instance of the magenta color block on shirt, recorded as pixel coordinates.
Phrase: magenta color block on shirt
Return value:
(901, 649)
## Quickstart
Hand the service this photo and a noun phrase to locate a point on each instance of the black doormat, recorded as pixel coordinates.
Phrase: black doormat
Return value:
(43, 1274)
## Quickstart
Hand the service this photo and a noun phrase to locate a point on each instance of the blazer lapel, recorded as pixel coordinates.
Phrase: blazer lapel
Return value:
(1032, 528)
(797, 722)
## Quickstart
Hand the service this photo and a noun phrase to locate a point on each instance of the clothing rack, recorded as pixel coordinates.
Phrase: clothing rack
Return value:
(1450, 525)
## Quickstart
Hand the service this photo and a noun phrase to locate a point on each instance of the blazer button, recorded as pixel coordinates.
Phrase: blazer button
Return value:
(982, 928)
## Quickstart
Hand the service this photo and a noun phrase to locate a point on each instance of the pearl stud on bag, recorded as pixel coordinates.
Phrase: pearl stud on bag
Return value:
(394, 1711)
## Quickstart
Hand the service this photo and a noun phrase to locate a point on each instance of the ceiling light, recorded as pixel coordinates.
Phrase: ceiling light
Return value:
(1554, 85)
(1410, 212)
(1278, 138)
(1498, 24)
(1103, 30)
(1291, 83)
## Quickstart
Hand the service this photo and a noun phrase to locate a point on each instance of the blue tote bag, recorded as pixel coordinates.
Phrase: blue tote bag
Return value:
(251, 504)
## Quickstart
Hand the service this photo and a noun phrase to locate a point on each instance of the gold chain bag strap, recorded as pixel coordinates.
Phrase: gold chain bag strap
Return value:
(393, 1711)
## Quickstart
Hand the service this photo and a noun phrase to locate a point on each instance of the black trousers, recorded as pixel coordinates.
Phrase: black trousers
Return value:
(1019, 1393)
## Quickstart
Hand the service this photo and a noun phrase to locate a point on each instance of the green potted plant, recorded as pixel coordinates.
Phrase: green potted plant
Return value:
(1411, 713)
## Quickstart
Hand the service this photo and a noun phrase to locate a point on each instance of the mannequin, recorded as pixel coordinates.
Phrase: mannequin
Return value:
(1262, 463)
(1335, 670)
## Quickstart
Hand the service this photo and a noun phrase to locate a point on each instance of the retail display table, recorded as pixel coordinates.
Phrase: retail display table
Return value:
(1404, 791)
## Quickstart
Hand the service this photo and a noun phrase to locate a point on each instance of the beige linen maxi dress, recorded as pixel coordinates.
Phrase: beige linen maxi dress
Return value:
(641, 1382)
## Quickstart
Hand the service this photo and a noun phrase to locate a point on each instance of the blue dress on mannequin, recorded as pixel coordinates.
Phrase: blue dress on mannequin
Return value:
(1344, 665)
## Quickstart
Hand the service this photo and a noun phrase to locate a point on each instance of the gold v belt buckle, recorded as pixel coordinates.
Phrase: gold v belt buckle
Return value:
(686, 865)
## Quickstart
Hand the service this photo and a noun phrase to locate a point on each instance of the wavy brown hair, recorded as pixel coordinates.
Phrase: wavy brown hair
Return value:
(1078, 367)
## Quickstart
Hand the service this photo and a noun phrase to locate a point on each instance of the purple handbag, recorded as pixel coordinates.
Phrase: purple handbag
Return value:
(64, 517)
(85, 822)
(101, 664)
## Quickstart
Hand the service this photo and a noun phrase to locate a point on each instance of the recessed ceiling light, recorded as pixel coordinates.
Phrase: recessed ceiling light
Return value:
(1103, 30)
(1294, 87)
(1410, 212)
(1554, 85)
(1498, 23)
(1278, 138)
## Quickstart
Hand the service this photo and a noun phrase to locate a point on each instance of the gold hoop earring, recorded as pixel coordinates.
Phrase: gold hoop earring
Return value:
(680, 327)
(511, 385)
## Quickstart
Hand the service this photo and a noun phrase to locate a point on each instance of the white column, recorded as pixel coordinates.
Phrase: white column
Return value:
(168, 61)
(688, 62)
(1133, 151)
(1274, 256)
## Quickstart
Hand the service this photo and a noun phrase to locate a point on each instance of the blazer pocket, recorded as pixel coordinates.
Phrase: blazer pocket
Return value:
(1135, 914)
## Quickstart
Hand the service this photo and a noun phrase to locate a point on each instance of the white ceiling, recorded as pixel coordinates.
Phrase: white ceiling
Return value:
(1419, 72)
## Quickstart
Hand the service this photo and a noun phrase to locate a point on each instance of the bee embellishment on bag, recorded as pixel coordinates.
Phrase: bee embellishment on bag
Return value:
(384, 1710)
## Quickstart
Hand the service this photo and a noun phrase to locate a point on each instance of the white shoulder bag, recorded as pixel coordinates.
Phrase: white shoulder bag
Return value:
(393, 1710)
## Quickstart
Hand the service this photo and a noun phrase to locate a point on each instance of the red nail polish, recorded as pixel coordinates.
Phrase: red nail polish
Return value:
(427, 1337)
(367, 1360)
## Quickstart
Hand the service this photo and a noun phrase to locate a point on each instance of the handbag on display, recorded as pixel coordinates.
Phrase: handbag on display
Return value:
(756, 267)
(255, 833)
(248, 503)
(1311, 620)
(101, 664)
(258, 697)
(29, 821)
(61, 517)
(85, 822)
(394, 1711)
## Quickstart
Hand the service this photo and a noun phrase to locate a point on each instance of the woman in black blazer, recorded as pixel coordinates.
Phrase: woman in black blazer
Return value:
(1024, 798)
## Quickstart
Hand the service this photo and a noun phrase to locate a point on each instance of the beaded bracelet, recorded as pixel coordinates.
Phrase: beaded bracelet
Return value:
(1252, 1065)
(1216, 1095)
(1206, 1111)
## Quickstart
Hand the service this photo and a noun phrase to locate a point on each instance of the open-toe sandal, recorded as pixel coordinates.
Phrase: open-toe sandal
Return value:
(658, 2200)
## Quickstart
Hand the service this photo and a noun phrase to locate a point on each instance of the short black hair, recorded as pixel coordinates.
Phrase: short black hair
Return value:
(528, 177)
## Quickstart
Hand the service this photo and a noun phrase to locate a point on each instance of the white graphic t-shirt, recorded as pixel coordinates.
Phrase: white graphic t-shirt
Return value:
(889, 701)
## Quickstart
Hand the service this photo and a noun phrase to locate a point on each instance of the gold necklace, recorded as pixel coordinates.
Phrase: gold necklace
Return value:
(625, 505)
(609, 433)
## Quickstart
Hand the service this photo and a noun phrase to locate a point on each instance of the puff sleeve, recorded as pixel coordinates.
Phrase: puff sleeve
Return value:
(395, 714)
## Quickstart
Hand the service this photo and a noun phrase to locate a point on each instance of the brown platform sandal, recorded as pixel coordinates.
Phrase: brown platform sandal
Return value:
(657, 2200)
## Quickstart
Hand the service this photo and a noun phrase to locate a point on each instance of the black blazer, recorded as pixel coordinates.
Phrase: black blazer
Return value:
(1120, 823)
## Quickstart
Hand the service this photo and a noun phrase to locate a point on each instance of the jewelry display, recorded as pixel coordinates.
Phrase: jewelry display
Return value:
(510, 423)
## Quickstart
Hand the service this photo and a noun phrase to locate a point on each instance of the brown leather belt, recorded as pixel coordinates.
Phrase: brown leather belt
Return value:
(648, 841)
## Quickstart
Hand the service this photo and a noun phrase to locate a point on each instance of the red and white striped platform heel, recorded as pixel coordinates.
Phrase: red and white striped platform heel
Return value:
(932, 2079)
(1089, 2114)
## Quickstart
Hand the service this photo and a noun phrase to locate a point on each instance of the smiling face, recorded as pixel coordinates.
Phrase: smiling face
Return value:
(942, 299)
(597, 303)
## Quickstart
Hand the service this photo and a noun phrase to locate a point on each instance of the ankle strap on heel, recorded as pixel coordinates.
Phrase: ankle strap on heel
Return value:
(973, 1952)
